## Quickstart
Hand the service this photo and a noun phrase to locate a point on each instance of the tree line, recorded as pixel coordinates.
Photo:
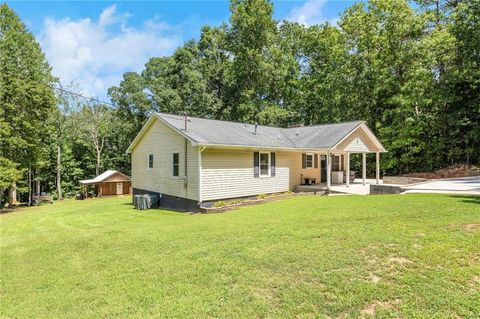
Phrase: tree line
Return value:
(411, 70)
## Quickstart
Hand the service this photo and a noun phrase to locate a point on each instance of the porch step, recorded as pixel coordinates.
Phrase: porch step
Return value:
(310, 189)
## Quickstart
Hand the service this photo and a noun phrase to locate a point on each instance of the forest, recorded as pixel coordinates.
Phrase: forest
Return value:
(410, 69)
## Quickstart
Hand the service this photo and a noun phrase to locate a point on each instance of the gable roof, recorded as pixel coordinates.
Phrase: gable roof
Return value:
(100, 178)
(222, 133)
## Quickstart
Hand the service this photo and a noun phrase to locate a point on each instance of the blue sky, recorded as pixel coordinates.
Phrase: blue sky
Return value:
(93, 43)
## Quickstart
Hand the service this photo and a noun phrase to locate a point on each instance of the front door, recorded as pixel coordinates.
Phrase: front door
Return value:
(119, 188)
(323, 168)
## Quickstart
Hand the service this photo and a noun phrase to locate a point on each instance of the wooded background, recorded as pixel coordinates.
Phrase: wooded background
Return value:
(411, 70)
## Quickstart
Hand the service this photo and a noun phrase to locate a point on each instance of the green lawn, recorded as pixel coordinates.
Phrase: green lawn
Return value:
(398, 256)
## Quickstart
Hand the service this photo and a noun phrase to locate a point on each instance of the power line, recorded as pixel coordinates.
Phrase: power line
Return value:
(80, 95)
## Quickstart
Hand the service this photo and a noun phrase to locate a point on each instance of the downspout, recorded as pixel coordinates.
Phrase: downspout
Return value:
(200, 150)
(185, 177)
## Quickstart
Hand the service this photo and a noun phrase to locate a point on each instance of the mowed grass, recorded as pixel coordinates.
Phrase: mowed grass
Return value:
(399, 256)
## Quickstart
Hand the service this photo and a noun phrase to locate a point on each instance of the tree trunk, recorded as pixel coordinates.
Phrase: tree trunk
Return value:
(37, 183)
(59, 173)
(12, 194)
(29, 186)
(97, 168)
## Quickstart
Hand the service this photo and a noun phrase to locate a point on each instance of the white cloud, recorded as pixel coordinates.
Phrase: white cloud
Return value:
(95, 54)
(310, 13)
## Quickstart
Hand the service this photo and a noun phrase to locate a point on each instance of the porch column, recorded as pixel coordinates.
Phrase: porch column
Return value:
(378, 167)
(329, 171)
(347, 170)
(364, 168)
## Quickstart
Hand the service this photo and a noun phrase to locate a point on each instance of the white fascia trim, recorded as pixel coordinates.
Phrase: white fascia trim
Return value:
(263, 147)
(194, 143)
(368, 132)
(140, 134)
(374, 138)
(148, 123)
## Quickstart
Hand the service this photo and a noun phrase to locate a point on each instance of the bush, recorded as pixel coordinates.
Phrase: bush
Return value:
(220, 203)
(263, 196)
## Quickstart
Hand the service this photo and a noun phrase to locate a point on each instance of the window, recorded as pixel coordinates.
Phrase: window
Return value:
(309, 160)
(264, 164)
(175, 164)
(150, 161)
(336, 163)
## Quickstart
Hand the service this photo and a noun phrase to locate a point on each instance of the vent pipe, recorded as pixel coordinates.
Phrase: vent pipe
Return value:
(256, 126)
(186, 120)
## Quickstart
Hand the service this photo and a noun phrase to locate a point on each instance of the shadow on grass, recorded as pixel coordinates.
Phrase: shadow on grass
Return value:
(472, 199)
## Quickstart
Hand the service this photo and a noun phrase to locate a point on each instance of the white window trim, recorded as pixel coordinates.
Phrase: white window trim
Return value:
(148, 161)
(171, 165)
(313, 160)
(260, 165)
(339, 156)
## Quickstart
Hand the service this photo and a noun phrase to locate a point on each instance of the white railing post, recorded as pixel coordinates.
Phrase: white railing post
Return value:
(377, 171)
(364, 168)
(347, 168)
(329, 171)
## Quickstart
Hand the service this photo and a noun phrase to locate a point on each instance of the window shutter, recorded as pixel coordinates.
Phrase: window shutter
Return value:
(256, 160)
(304, 160)
(316, 161)
(272, 164)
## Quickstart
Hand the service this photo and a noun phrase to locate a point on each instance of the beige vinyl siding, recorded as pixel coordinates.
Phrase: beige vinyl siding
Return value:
(356, 145)
(162, 141)
(228, 173)
(294, 160)
(358, 141)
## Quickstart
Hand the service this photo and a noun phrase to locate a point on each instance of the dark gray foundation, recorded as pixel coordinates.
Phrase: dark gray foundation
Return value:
(171, 202)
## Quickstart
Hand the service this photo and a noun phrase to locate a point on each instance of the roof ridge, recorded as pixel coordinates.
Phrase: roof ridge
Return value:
(325, 124)
(243, 123)
(225, 121)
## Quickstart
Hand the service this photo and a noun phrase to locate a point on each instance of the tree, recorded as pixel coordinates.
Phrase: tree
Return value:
(252, 30)
(96, 122)
(63, 125)
(9, 174)
(26, 95)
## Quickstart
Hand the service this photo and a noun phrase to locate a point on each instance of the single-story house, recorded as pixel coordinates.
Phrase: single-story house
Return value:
(188, 161)
(110, 183)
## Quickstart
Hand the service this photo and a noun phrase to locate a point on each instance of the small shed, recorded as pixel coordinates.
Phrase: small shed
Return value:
(110, 183)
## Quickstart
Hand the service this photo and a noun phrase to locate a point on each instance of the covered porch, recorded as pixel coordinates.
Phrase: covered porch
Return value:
(334, 163)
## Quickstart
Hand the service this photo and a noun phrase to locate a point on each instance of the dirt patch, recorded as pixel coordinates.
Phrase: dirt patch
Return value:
(374, 278)
(399, 260)
(459, 170)
(372, 308)
(474, 283)
(467, 227)
(265, 294)
(471, 226)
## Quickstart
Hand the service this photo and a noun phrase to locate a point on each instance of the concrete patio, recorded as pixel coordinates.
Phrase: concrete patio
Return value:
(460, 185)
(355, 188)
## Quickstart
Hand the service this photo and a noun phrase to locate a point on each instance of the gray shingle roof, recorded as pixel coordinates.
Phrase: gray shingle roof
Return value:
(206, 131)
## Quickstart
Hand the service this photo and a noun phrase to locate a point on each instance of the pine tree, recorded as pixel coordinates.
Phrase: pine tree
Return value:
(26, 94)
